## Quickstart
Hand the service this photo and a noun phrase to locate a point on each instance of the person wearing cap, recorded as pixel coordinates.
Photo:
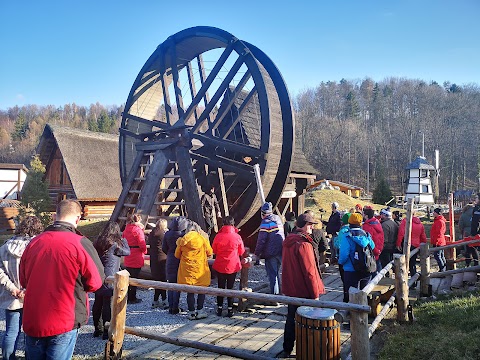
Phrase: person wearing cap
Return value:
(352, 278)
(300, 275)
(269, 245)
(359, 209)
(437, 237)
(333, 226)
(374, 228)
(390, 233)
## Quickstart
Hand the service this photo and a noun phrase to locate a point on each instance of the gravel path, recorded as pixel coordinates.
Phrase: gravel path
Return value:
(88, 347)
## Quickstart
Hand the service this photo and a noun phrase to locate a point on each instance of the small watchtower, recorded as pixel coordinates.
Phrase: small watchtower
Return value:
(419, 182)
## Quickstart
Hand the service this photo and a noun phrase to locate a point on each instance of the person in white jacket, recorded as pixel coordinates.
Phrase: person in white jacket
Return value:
(11, 293)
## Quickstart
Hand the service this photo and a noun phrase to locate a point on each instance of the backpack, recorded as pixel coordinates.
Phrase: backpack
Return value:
(363, 259)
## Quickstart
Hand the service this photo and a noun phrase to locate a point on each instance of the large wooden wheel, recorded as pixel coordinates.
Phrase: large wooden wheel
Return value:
(236, 108)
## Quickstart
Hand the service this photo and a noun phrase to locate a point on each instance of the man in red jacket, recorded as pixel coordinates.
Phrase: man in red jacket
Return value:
(437, 237)
(57, 270)
(300, 276)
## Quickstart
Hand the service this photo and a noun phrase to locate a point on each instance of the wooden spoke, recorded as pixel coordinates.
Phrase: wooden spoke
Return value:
(156, 123)
(230, 146)
(238, 116)
(176, 80)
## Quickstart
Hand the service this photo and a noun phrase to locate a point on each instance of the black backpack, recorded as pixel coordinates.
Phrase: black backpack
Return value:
(363, 259)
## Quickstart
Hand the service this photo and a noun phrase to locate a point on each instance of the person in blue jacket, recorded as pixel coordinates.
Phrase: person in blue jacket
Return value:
(270, 244)
(352, 278)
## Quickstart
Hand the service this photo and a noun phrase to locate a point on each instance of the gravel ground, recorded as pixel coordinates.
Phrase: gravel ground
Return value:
(141, 315)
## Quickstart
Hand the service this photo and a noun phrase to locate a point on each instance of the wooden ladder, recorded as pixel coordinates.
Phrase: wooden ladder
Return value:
(161, 176)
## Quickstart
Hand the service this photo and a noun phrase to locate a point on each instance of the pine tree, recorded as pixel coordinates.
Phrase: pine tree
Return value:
(382, 193)
(21, 128)
(35, 197)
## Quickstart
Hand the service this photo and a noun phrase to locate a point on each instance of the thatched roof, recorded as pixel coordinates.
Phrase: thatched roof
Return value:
(91, 160)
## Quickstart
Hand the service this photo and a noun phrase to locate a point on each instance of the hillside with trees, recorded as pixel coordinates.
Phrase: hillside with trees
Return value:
(359, 132)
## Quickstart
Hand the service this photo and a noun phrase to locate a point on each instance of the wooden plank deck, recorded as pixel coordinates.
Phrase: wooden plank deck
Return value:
(259, 333)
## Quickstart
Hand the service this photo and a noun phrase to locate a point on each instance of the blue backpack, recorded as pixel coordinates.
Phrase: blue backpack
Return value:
(363, 259)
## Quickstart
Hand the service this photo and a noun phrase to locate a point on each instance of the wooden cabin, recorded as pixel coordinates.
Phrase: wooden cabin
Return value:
(350, 190)
(81, 165)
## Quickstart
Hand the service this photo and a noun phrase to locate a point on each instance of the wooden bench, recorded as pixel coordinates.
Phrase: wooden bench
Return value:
(380, 294)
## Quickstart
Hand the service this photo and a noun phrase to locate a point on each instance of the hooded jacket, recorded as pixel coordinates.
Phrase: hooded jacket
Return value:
(169, 245)
(347, 247)
(374, 228)
(228, 247)
(437, 232)
(57, 269)
(418, 232)
(193, 250)
(270, 237)
(10, 254)
(390, 234)
(300, 276)
(136, 241)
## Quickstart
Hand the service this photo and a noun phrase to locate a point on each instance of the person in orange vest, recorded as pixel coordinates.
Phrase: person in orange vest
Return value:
(437, 237)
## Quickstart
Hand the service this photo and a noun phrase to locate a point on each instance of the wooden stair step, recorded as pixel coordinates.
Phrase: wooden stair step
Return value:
(134, 191)
(169, 203)
(130, 205)
(170, 190)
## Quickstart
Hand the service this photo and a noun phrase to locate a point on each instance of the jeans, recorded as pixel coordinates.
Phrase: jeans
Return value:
(58, 347)
(13, 319)
(191, 301)
(173, 296)
(101, 310)
(289, 333)
(440, 257)
(272, 265)
(225, 281)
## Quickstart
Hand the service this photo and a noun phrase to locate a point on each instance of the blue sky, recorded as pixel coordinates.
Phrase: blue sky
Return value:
(58, 52)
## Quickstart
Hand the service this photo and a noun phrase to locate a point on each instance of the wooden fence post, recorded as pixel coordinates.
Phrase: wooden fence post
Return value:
(116, 330)
(407, 239)
(424, 270)
(401, 287)
(243, 281)
(360, 343)
(451, 253)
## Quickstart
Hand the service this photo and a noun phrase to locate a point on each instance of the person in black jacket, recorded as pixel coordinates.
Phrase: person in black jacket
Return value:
(110, 247)
(475, 228)
(333, 224)
(158, 262)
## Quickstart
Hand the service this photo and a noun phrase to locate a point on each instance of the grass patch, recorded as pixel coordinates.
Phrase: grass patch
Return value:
(446, 329)
(91, 228)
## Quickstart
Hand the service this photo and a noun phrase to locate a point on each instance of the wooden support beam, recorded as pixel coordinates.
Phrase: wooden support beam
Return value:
(223, 192)
(401, 287)
(230, 146)
(407, 239)
(452, 254)
(248, 295)
(360, 343)
(116, 330)
(442, 274)
(241, 109)
(424, 270)
(154, 176)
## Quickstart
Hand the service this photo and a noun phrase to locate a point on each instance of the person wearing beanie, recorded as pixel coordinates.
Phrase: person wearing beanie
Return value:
(333, 226)
(437, 237)
(475, 226)
(269, 245)
(374, 228)
(352, 278)
(390, 233)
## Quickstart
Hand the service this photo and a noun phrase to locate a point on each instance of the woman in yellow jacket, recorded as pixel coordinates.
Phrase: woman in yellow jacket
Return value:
(193, 250)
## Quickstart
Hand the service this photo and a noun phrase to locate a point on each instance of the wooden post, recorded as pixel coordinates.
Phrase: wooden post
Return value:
(424, 270)
(407, 239)
(116, 330)
(451, 264)
(224, 193)
(360, 343)
(401, 287)
(243, 281)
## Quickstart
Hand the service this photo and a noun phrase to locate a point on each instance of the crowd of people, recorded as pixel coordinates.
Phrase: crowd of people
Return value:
(46, 273)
